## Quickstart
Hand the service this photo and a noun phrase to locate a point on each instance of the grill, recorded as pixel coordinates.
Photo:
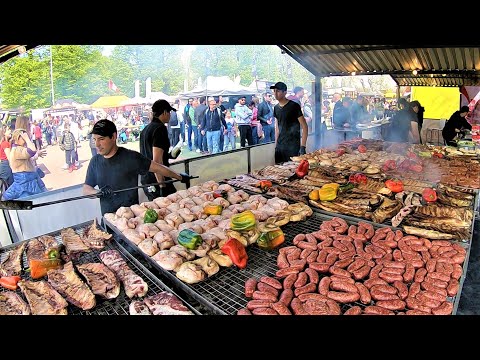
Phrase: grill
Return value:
(117, 306)
(223, 293)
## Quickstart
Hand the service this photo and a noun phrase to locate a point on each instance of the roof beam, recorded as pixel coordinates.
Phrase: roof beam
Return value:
(351, 49)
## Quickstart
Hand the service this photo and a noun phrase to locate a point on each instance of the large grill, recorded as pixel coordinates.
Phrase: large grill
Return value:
(223, 293)
(117, 306)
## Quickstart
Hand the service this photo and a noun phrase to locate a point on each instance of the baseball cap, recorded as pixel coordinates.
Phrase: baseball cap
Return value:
(279, 86)
(104, 127)
(464, 109)
(162, 105)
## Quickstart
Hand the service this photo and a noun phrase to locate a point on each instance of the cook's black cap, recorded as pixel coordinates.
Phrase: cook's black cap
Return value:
(104, 127)
(160, 106)
(280, 86)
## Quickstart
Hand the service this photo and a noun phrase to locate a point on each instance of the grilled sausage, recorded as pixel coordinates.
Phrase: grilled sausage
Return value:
(357, 264)
(264, 311)
(339, 246)
(306, 252)
(312, 275)
(333, 308)
(337, 271)
(331, 258)
(428, 301)
(282, 261)
(352, 229)
(298, 238)
(365, 297)
(434, 295)
(263, 295)
(416, 312)
(286, 296)
(272, 282)
(297, 307)
(343, 286)
(288, 271)
(398, 235)
(430, 265)
(255, 304)
(438, 276)
(420, 275)
(445, 308)
(311, 239)
(377, 310)
(347, 255)
(300, 263)
(322, 256)
(289, 281)
(312, 296)
(342, 278)
(313, 307)
(281, 309)
(250, 286)
(416, 304)
(397, 255)
(301, 280)
(320, 267)
(343, 297)
(310, 287)
(376, 271)
(342, 264)
(306, 245)
(312, 257)
(414, 289)
(385, 288)
(362, 272)
(356, 310)
(393, 271)
(457, 272)
(458, 259)
(374, 281)
(452, 288)
(409, 273)
(380, 295)
(392, 304)
(402, 289)
(267, 288)
(427, 285)
(390, 278)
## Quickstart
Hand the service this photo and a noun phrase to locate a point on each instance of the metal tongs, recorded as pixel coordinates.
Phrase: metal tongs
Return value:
(29, 205)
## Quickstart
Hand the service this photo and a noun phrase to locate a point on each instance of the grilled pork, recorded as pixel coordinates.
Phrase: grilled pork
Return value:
(101, 279)
(73, 242)
(138, 307)
(11, 264)
(447, 200)
(134, 285)
(12, 304)
(43, 298)
(95, 238)
(427, 234)
(37, 247)
(71, 287)
(166, 303)
(386, 210)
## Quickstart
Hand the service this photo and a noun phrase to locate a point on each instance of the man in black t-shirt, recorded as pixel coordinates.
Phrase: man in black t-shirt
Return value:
(115, 168)
(455, 125)
(155, 145)
(287, 127)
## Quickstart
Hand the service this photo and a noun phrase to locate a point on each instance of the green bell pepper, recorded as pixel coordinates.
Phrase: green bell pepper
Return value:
(189, 239)
(150, 216)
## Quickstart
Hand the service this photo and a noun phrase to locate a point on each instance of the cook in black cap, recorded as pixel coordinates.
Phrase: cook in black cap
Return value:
(115, 168)
(455, 125)
(289, 121)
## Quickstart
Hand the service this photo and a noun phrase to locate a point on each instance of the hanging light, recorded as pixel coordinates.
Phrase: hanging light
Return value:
(353, 73)
(415, 72)
(22, 50)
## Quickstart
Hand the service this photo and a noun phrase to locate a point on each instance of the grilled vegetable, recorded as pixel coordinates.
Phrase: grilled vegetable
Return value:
(438, 155)
(243, 221)
(429, 195)
(394, 185)
(327, 194)
(236, 252)
(302, 169)
(40, 267)
(264, 185)
(150, 216)
(362, 149)
(271, 239)
(52, 253)
(346, 187)
(313, 195)
(189, 239)
(212, 209)
(220, 194)
(333, 186)
(358, 178)
(10, 282)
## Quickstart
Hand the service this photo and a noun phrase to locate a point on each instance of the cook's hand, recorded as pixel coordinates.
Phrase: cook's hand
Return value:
(185, 177)
(105, 192)
(302, 151)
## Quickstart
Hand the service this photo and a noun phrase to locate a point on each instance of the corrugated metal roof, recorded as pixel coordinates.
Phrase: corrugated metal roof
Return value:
(435, 66)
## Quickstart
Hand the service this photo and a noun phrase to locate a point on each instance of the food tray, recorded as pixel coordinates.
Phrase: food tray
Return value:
(117, 306)
(223, 293)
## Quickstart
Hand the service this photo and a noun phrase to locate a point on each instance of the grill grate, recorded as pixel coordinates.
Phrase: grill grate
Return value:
(117, 306)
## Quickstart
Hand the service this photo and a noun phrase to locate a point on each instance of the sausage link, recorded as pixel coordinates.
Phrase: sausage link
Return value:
(333, 307)
(434, 295)
(390, 278)
(298, 238)
(281, 309)
(310, 287)
(392, 304)
(414, 289)
(300, 263)
(457, 272)
(357, 264)
(360, 237)
(450, 253)
(458, 259)
(313, 297)
(438, 276)
(459, 248)
(395, 271)
(416, 304)
(425, 256)
(402, 289)
(409, 273)
(301, 280)
(263, 295)
(272, 282)
(339, 246)
(446, 268)
(264, 311)
(337, 271)
(244, 312)
(374, 281)
(286, 296)
(441, 242)
(427, 243)
(313, 307)
(342, 278)
(397, 255)
(312, 257)
(320, 267)
(324, 244)
(297, 307)
(385, 288)
(449, 260)
(380, 295)
(452, 288)
(439, 283)
(352, 229)
(311, 239)
(294, 254)
(416, 312)
(331, 258)
(362, 272)
(287, 271)
(306, 245)
(255, 304)
(319, 235)
(343, 286)
(355, 310)
(289, 281)
(398, 235)
(282, 261)
(347, 255)
(322, 256)
(376, 271)
(377, 310)
(420, 275)
(427, 285)
(287, 249)
(418, 248)
(343, 297)
(430, 266)
(312, 275)
(306, 252)
(365, 297)
(427, 301)
(342, 264)
(267, 288)
(444, 249)
(445, 308)
(250, 286)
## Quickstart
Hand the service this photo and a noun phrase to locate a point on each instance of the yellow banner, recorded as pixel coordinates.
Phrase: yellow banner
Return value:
(439, 102)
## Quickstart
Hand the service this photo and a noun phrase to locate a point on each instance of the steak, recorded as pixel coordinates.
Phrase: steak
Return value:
(69, 284)
(166, 303)
(138, 307)
(73, 242)
(95, 238)
(43, 298)
(12, 304)
(134, 284)
(101, 279)
(12, 263)
(36, 247)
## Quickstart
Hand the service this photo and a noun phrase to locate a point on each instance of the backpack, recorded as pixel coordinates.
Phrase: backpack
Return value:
(173, 119)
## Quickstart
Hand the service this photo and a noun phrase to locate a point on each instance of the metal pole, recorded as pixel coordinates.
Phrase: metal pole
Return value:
(51, 76)
(317, 114)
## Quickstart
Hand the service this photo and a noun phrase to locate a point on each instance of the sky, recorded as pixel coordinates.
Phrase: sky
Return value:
(107, 50)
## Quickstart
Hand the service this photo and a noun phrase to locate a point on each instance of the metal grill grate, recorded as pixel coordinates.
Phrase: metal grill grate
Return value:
(117, 306)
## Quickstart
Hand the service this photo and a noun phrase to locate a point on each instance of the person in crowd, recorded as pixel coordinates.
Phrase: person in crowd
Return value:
(254, 123)
(342, 120)
(223, 110)
(403, 125)
(174, 124)
(115, 168)
(181, 120)
(84, 124)
(91, 140)
(69, 145)
(199, 114)
(5, 169)
(22, 157)
(265, 116)
(49, 131)
(418, 109)
(290, 126)
(37, 133)
(212, 126)
(456, 126)
(231, 131)
(155, 145)
(297, 96)
(243, 119)
(75, 130)
(188, 111)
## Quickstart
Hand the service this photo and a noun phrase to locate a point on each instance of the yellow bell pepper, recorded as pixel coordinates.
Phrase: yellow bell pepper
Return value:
(327, 194)
(243, 221)
(213, 209)
(334, 186)
(313, 195)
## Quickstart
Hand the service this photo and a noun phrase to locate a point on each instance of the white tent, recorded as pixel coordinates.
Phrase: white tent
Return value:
(157, 95)
(216, 86)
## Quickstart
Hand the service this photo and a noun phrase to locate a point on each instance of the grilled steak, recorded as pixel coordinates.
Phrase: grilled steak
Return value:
(73, 242)
(166, 303)
(428, 234)
(101, 279)
(43, 298)
(387, 209)
(12, 304)
(95, 238)
(138, 307)
(11, 264)
(134, 284)
(69, 285)
(435, 210)
(36, 247)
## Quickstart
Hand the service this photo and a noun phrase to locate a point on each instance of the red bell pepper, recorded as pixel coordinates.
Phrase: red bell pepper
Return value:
(429, 195)
(362, 149)
(358, 178)
(10, 282)
(389, 165)
(394, 185)
(438, 155)
(302, 169)
(264, 185)
(236, 252)
(220, 194)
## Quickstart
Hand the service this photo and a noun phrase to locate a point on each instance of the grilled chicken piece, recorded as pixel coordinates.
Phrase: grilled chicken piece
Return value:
(73, 242)
(168, 260)
(197, 211)
(427, 234)
(175, 198)
(164, 226)
(134, 236)
(164, 240)
(186, 214)
(43, 298)
(220, 257)
(110, 217)
(166, 303)
(198, 200)
(210, 185)
(221, 201)
(12, 304)
(133, 284)
(183, 194)
(134, 222)
(138, 210)
(225, 187)
(138, 307)
(12, 262)
(208, 265)
(191, 273)
(148, 229)
(71, 287)
(101, 279)
(183, 252)
(122, 223)
(173, 207)
(174, 219)
(125, 212)
(234, 198)
(149, 246)
(186, 203)
(162, 202)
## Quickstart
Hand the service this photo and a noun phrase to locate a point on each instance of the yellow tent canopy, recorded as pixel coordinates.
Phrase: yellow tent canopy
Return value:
(109, 101)
(390, 94)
